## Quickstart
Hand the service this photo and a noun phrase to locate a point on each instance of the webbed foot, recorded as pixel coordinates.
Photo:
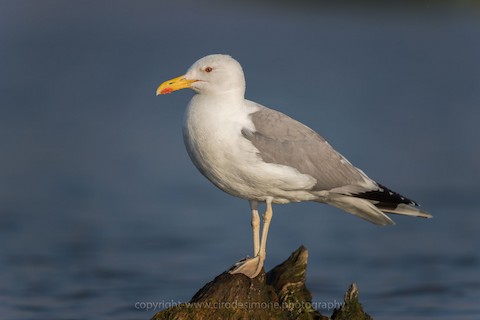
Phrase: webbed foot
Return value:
(250, 267)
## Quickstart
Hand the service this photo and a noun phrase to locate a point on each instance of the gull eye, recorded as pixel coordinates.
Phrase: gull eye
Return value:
(208, 69)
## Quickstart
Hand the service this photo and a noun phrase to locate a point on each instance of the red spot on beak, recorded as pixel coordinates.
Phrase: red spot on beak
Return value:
(166, 91)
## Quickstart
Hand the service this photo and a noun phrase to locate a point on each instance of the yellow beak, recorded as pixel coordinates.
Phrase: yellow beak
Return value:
(174, 85)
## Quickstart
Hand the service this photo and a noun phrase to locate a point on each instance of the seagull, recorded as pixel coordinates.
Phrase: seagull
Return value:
(264, 156)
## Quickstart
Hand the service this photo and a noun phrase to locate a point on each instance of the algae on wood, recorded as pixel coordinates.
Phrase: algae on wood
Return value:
(279, 294)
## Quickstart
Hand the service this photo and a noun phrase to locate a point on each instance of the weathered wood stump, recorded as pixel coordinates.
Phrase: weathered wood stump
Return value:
(279, 294)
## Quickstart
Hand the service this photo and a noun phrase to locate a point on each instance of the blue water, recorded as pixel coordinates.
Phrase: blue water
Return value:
(101, 210)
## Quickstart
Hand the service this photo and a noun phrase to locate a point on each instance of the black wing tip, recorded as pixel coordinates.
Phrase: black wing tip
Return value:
(386, 197)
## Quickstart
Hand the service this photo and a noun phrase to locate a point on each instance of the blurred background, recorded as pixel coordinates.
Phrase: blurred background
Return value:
(101, 208)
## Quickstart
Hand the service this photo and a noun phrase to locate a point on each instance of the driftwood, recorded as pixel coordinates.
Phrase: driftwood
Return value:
(279, 294)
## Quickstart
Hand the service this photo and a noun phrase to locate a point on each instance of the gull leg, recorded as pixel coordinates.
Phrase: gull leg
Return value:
(251, 267)
(267, 217)
(255, 227)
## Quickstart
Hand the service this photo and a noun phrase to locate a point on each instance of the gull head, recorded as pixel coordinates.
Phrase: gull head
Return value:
(212, 75)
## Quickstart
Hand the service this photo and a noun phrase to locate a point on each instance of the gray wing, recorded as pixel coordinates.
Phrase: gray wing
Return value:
(283, 140)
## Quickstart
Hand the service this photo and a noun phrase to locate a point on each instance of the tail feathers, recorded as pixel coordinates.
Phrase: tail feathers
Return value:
(405, 209)
(361, 208)
(373, 205)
